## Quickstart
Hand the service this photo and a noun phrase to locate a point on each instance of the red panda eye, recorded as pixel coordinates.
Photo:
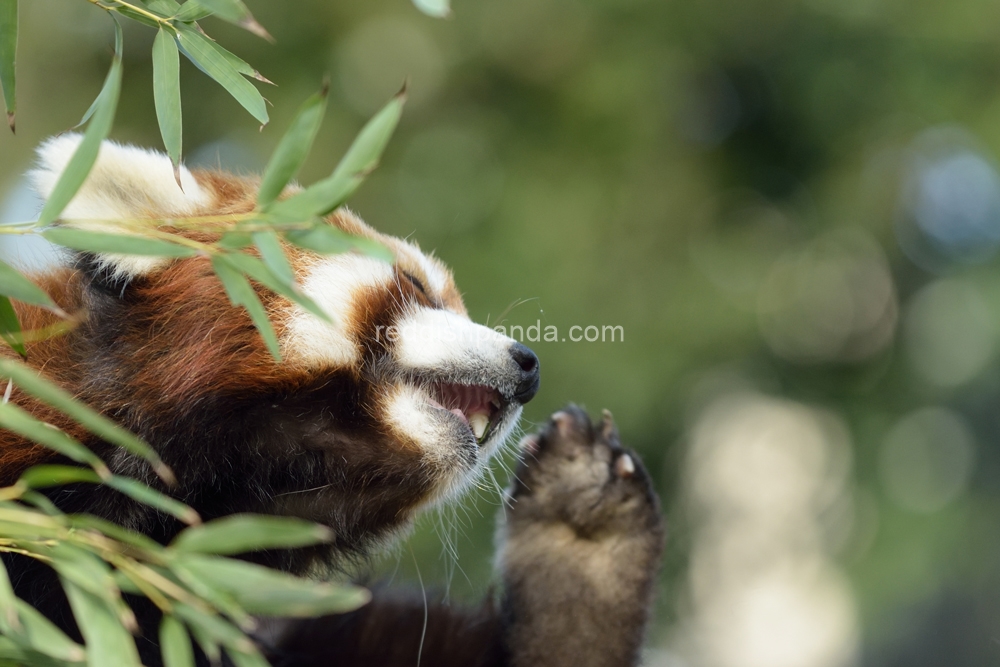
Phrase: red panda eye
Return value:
(416, 283)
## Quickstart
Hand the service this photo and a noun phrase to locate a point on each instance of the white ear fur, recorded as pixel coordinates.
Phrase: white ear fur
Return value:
(126, 182)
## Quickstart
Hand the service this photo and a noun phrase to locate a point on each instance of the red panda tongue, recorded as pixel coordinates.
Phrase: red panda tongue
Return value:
(461, 415)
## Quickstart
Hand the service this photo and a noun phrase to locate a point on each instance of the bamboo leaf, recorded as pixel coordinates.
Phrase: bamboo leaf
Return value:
(192, 10)
(261, 590)
(175, 644)
(326, 239)
(126, 244)
(112, 530)
(98, 128)
(9, 620)
(40, 634)
(242, 294)
(293, 148)
(259, 271)
(137, 16)
(235, 240)
(108, 642)
(17, 420)
(12, 655)
(206, 55)
(84, 569)
(233, 11)
(273, 255)
(206, 591)
(215, 628)
(164, 7)
(10, 327)
(8, 56)
(240, 65)
(42, 476)
(138, 491)
(16, 286)
(28, 380)
(167, 95)
(361, 158)
(247, 659)
(239, 534)
(208, 646)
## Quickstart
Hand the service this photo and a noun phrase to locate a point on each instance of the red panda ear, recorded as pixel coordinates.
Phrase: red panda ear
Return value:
(126, 182)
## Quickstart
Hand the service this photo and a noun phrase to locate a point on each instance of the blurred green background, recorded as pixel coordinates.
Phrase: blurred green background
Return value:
(791, 208)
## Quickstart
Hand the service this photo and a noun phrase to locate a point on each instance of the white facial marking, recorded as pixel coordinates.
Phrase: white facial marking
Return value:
(332, 283)
(431, 338)
(125, 183)
(436, 278)
(409, 413)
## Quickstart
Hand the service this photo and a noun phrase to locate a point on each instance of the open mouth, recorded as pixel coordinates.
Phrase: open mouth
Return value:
(476, 405)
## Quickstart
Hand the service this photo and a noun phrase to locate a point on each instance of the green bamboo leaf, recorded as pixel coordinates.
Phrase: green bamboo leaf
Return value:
(138, 491)
(109, 644)
(164, 7)
(16, 286)
(293, 148)
(175, 644)
(242, 533)
(242, 294)
(273, 255)
(43, 476)
(28, 380)
(248, 659)
(139, 17)
(191, 11)
(41, 502)
(240, 65)
(208, 646)
(12, 655)
(361, 158)
(125, 244)
(167, 95)
(8, 56)
(9, 620)
(10, 327)
(316, 200)
(262, 273)
(112, 530)
(436, 8)
(215, 628)
(235, 240)
(261, 590)
(97, 131)
(17, 420)
(233, 11)
(40, 634)
(207, 592)
(205, 54)
(326, 239)
(85, 570)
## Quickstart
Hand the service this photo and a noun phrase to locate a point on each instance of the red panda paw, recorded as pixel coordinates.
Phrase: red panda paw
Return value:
(577, 473)
(579, 547)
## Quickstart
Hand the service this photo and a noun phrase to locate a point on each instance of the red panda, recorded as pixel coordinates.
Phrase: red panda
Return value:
(394, 405)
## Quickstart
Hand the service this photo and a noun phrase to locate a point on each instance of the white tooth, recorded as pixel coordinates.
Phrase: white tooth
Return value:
(479, 422)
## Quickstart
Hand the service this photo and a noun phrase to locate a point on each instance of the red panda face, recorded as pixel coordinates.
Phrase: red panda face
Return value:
(397, 402)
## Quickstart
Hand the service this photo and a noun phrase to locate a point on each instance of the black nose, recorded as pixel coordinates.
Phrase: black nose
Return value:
(527, 386)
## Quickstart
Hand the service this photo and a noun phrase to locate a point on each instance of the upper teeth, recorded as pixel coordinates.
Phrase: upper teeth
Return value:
(479, 423)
